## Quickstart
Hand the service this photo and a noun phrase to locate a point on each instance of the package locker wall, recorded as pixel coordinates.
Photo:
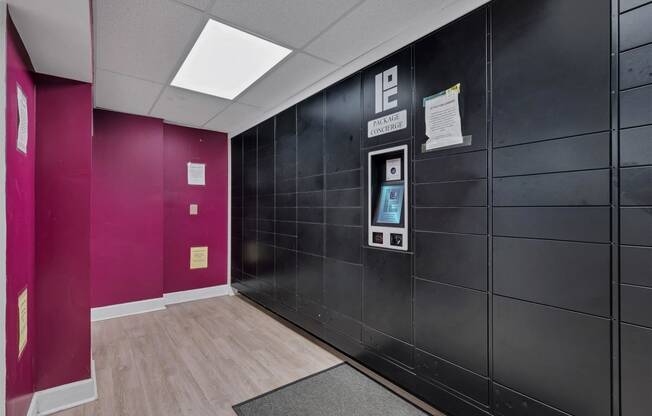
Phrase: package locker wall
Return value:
(635, 202)
(527, 247)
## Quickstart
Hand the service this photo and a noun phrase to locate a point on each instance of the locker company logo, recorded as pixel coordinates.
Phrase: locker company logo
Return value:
(386, 89)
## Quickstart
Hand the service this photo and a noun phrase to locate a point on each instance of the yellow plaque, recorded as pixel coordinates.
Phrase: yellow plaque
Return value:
(22, 321)
(198, 257)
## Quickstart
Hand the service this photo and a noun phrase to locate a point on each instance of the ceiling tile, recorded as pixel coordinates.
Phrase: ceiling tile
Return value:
(232, 117)
(144, 38)
(187, 107)
(125, 94)
(366, 27)
(290, 77)
(293, 22)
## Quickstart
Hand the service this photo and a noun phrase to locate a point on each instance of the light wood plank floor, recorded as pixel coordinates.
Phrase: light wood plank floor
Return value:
(199, 359)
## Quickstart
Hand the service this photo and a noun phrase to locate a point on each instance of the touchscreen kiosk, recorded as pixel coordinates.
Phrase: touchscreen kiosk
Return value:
(387, 198)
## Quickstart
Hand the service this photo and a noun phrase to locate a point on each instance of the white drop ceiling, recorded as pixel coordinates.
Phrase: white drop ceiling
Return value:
(139, 45)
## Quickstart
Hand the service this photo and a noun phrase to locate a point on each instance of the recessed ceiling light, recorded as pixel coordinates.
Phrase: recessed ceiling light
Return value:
(225, 61)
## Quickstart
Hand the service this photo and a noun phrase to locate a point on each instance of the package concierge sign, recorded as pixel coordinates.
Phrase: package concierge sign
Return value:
(388, 98)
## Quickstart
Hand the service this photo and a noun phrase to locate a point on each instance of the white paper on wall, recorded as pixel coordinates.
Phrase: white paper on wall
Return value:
(443, 120)
(23, 122)
(196, 173)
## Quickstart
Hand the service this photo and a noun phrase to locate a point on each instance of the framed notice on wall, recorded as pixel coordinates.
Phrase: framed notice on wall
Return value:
(196, 174)
(198, 258)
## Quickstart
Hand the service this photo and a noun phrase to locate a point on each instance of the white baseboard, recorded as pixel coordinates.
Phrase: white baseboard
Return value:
(196, 294)
(56, 399)
(158, 304)
(126, 309)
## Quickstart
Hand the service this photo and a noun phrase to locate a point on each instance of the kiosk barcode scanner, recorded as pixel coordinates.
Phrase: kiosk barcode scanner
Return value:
(387, 198)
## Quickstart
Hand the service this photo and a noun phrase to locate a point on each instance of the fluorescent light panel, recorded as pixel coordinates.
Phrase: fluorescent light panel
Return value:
(225, 61)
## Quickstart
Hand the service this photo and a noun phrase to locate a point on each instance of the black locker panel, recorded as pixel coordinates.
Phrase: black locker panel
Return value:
(636, 146)
(344, 198)
(559, 357)
(450, 258)
(286, 276)
(508, 402)
(568, 275)
(636, 370)
(388, 292)
(310, 183)
(344, 216)
(310, 238)
(453, 376)
(342, 127)
(310, 135)
(343, 180)
(468, 220)
(541, 52)
(344, 243)
(310, 277)
(635, 27)
(402, 60)
(575, 153)
(553, 189)
(636, 305)
(636, 226)
(451, 323)
(237, 203)
(250, 196)
(463, 47)
(636, 265)
(636, 107)
(266, 206)
(635, 67)
(388, 346)
(464, 166)
(343, 287)
(459, 193)
(635, 186)
(590, 224)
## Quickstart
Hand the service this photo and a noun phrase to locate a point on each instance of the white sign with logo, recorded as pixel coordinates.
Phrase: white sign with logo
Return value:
(386, 98)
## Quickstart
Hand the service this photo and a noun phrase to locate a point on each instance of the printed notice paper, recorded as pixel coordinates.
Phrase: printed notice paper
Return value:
(196, 173)
(443, 120)
(21, 141)
(22, 321)
(198, 257)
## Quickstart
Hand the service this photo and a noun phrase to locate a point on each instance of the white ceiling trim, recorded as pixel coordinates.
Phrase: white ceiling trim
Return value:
(422, 26)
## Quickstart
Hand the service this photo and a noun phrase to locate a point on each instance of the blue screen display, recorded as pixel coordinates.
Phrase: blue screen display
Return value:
(390, 204)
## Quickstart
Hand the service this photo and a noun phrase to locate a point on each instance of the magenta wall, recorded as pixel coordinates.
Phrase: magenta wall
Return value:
(126, 209)
(63, 174)
(141, 230)
(20, 227)
(209, 227)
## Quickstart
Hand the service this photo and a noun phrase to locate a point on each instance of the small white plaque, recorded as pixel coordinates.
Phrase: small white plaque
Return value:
(387, 124)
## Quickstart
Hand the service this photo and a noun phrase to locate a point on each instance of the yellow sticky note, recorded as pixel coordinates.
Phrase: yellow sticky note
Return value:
(198, 257)
(22, 321)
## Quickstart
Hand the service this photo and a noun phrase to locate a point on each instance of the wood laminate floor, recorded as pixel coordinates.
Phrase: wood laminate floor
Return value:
(199, 359)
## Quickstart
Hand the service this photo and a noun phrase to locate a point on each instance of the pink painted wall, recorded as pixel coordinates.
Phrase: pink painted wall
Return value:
(20, 227)
(209, 227)
(141, 230)
(126, 209)
(63, 183)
